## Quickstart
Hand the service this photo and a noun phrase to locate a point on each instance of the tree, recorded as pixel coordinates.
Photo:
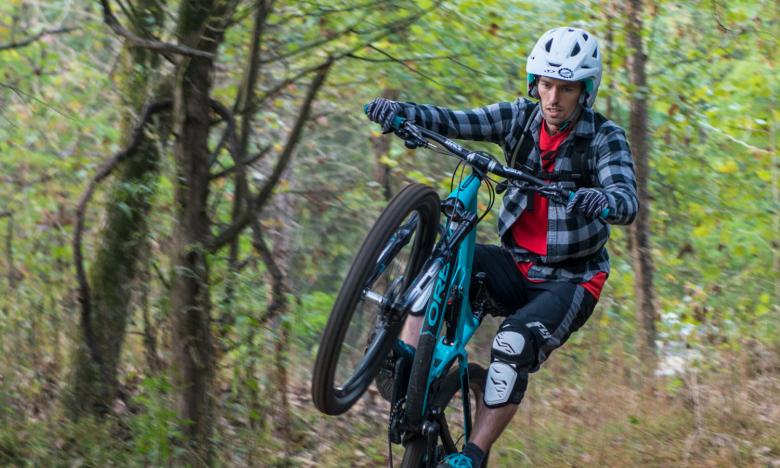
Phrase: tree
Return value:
(93, 380)
(201, 26)
(640, 230)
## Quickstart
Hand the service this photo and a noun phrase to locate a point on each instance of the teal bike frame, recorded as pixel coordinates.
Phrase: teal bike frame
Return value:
(454, 279)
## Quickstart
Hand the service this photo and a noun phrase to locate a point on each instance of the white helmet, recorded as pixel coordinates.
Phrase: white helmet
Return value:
(568, 54)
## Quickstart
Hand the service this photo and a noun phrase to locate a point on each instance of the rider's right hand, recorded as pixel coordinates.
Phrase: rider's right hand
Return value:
(383, 111)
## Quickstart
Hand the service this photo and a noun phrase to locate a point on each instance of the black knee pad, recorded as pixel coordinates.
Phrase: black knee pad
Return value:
(512, 356)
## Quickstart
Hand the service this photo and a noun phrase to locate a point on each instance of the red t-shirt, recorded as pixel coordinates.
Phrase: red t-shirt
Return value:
(529, 231)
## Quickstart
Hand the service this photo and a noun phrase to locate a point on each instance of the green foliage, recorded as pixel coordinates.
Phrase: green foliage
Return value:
(156, 427)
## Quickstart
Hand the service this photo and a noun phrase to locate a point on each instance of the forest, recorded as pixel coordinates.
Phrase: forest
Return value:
(184, 185)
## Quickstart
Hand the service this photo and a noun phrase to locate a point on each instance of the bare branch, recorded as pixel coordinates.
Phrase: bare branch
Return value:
(230, 131)
(406, 65)
(31, 39)
(704, 123)
(716, 14)
(327, 39)
(321, 11)
(158, 46)
(256, 203)
(421, 58)
(278, 287)
(166, 284)
(244, 163)
(382, 32)
(245, 102)
(295, 134)
(27, 96)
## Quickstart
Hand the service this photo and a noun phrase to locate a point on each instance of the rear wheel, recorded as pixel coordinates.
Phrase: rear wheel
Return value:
(452, 421)
(360, 332)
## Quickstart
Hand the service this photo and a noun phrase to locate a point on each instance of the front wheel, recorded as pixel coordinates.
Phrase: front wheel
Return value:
(449, 400)
(359, 333)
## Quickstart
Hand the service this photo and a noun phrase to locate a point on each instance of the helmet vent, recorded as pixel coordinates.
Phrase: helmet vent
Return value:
(575, 50)
(596, 53)
(554, 64)
(585, 36)
(548, 45)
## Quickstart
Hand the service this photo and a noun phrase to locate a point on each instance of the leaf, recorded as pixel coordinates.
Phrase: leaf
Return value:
(125, 209)
(764, 174)
(728, 167)
(389, 162)
(702, 231)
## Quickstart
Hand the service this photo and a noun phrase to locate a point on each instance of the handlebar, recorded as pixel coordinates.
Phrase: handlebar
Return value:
(415, 136)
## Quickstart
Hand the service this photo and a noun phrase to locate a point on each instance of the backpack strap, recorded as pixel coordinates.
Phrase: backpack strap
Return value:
(526, 142)
(581, 174)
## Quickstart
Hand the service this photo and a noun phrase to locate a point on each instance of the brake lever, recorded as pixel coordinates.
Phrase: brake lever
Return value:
(502, 186)
(411, 136)
(555, 193)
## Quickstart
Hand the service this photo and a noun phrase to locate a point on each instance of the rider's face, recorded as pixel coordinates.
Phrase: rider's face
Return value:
(559, 99)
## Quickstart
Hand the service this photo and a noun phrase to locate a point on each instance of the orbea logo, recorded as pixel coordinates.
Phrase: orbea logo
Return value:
(438, 296)
(565, 73)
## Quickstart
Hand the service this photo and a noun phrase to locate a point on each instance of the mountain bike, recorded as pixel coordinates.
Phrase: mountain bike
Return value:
(411, 263)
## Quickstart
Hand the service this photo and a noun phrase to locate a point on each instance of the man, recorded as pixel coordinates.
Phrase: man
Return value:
(552, 264)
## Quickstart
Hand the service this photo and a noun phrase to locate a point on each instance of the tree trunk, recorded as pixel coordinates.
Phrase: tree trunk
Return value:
(640, 230)
(608, 53)
(246, 107)
(283, 209)
(92, 389)
(200, 26)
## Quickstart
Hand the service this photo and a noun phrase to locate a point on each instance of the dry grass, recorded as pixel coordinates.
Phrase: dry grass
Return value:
(586, 407)
(601, 418)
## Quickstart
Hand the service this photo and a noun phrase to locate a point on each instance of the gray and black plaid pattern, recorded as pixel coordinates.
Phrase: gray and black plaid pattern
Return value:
(575, 243)
(587, 201)
(383, 111)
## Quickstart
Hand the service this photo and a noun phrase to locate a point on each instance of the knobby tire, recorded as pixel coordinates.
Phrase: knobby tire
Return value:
(415, 449)
(327, 397)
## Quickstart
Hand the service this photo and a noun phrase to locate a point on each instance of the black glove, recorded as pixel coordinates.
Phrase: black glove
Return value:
(588, 201)
(383, 111)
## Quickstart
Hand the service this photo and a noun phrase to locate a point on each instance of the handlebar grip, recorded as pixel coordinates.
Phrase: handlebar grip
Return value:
(604, 213)
(397, 120)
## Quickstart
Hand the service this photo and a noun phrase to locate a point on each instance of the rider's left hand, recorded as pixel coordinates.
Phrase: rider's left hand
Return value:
(588, 201)
(383, 111)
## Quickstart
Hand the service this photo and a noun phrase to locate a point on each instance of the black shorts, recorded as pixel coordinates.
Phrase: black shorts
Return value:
(552, 310)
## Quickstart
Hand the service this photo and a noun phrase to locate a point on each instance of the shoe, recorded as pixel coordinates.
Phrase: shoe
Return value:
(455, 460)
(385, 379)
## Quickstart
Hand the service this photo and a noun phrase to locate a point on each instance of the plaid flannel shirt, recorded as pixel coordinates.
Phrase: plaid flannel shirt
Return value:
(575, 244)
